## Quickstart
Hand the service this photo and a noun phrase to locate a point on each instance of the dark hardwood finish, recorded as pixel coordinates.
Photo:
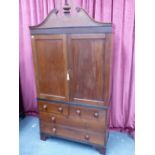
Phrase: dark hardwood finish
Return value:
(79, 23)
(86, 68)
(50, 66)
(88, 105)
(56, 108)
(80, 19)
(108, 69)
(73, 30)
(73, 133)
(72, 60)
(77, 122)
(43, 136)
(102, 150)
(88, 114)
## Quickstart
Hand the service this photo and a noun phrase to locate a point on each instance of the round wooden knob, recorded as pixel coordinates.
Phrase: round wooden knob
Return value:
(45, 106)
(54, 130)
(53, 118)
(96, 114)
(60, 109)
(87, 137)
(78, 112)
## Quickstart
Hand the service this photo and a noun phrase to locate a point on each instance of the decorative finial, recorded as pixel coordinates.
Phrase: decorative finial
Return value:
(66, 3)
(78, 9)
(55, 11)
(66, 8)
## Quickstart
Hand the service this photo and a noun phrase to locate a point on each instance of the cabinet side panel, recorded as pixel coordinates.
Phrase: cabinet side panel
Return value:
(108, 69)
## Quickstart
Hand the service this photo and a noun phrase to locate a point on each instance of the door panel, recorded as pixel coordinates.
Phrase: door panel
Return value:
(51, 66)
(86, 63)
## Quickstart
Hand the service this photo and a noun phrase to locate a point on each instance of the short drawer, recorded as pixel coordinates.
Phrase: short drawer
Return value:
(91, 125)
(54, 107)
(72, 133)
(89, 114)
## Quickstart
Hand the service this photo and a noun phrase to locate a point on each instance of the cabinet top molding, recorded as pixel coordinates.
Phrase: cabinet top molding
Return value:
(79, 19)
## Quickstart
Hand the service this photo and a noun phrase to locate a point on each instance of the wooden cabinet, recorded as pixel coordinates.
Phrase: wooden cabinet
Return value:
(72, 61)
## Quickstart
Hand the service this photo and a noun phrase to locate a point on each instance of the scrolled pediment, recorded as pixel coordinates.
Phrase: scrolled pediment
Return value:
(79, 19)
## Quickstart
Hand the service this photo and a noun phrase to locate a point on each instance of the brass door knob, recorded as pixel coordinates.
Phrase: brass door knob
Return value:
(60, 109)
(45, 107)
(54, 130)
(87, 137)
(78, 111)
(96, 114)
(53, 118)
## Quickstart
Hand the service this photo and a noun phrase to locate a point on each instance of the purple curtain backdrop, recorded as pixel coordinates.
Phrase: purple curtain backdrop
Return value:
(121, 14)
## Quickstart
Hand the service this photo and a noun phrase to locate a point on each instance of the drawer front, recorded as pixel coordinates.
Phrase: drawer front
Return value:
(57, 108)
(92, 125)
(72, 134)
(89, 114)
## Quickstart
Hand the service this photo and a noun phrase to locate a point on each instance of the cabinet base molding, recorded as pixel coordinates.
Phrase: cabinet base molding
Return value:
(101, 149)
(43, 136)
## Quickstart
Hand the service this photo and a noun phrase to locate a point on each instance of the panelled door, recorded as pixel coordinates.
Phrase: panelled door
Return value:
(50, 61)
(86, 68)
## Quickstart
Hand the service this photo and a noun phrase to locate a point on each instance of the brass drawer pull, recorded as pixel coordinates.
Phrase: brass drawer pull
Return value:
(53, 118)
(60, 109)
(45, 107)
(54, 130)
(87, 137)
(78, 112)
(96, 114)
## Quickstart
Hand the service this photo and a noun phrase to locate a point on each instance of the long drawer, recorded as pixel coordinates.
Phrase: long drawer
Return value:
(97, 125)
(72, 133)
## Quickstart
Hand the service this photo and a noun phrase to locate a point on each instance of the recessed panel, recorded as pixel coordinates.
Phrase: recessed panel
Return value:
(51, 68)
(87, 61)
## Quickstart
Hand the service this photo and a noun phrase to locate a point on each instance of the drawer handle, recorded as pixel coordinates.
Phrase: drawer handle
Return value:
(54, 130)
(60, 109)
(45, 107)
(78, 112)
(87, 137)
(96, 114)
(53, 118)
